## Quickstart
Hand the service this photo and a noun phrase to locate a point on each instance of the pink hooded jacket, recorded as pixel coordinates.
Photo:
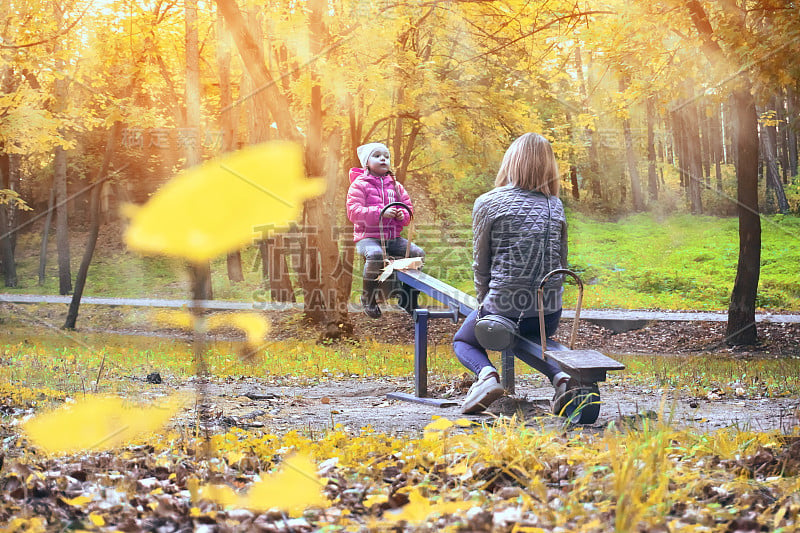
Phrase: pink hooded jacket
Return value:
(367, 196)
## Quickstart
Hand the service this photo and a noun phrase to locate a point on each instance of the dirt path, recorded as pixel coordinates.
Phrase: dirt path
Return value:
(361, 401)
(357, 403)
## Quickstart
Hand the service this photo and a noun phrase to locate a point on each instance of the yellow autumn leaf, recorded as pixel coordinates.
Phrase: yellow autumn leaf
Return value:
(295, 486)
(223, 495)
(175, 319)
(96, 519)
(98, 423)
(78, 501)
(374, 499)
(458, 470)
(419, 508)
(216, 207)
(440, 424)
(253, 324)
(234, 457)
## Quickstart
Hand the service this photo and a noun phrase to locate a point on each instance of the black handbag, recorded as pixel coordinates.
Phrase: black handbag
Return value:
(498, 332)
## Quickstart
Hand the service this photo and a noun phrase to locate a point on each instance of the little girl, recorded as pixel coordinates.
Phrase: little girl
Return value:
(372, 188)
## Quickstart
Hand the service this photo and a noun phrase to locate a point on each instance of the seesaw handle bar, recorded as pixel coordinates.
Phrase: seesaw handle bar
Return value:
(380, 224)
(540, 294)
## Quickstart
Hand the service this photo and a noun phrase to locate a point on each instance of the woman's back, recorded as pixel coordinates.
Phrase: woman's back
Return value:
(519, 236)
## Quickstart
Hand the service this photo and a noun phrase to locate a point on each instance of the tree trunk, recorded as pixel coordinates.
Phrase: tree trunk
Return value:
(405, 161)
(227, 124)
(258, 114)
(717, 147)
(397, 135)
(573, 179)
(201, 272)
(94, 228)
(678, 132)
(792, 128)
(782, 138)
(593, 177)
(228, 112)
(355, 130)
(280, 281)
(234, 266)
(741, 328)
(253, 59)
(10, 180)
(336, 280)
(83, 270)
(62, 228)
(633, 170)
(7, 262)
(652, 176)
(6, 249)
(45, 233)
(705, 142)
(316, 299)
(693, 163)
(60, 173)
(772, 176)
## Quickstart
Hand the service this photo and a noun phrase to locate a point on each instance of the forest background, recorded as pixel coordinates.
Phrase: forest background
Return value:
(674, 107)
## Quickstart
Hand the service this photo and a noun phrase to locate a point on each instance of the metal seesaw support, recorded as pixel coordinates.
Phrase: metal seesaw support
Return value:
(421, 317)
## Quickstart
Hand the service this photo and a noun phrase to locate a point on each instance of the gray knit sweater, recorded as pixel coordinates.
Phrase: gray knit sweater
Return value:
(509, 226)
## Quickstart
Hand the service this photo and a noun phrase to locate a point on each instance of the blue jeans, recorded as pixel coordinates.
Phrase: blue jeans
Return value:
(473, 356)
(373, 253)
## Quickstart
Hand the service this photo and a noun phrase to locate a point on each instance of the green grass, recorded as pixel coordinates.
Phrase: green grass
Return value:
(681, 262)
(639, 262)
(46, 363)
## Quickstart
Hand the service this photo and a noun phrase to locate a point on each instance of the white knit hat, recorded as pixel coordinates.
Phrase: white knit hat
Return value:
(365, 150)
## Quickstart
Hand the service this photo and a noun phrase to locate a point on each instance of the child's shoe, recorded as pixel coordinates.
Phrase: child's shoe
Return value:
(371, 309)
(369, 299)
(483, 392)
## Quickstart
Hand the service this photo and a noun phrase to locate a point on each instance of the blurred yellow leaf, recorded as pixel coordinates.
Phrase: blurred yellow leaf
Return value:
(374, 499)
(253, 324)
(97, 520)
(78, 501)
(175, 319)
(440, 424)
(294, 487)
(457, 470)
(216, 207)
(418, 508)
(234, 457)
(98, 422)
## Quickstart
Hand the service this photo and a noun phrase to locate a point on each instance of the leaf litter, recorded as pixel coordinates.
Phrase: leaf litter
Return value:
(395, 466)
(669, 457)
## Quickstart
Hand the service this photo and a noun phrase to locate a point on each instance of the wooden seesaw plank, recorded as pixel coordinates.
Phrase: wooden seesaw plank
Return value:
(587, 366)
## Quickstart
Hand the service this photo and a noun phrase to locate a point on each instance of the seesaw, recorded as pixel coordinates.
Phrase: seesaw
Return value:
(587, 367)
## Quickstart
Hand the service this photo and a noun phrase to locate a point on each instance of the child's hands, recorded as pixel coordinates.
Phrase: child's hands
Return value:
(392, 212)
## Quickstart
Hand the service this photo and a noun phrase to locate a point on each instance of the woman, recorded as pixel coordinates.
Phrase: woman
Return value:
(519, 235)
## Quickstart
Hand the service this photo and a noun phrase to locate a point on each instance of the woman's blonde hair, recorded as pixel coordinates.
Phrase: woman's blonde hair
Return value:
(529, 163)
